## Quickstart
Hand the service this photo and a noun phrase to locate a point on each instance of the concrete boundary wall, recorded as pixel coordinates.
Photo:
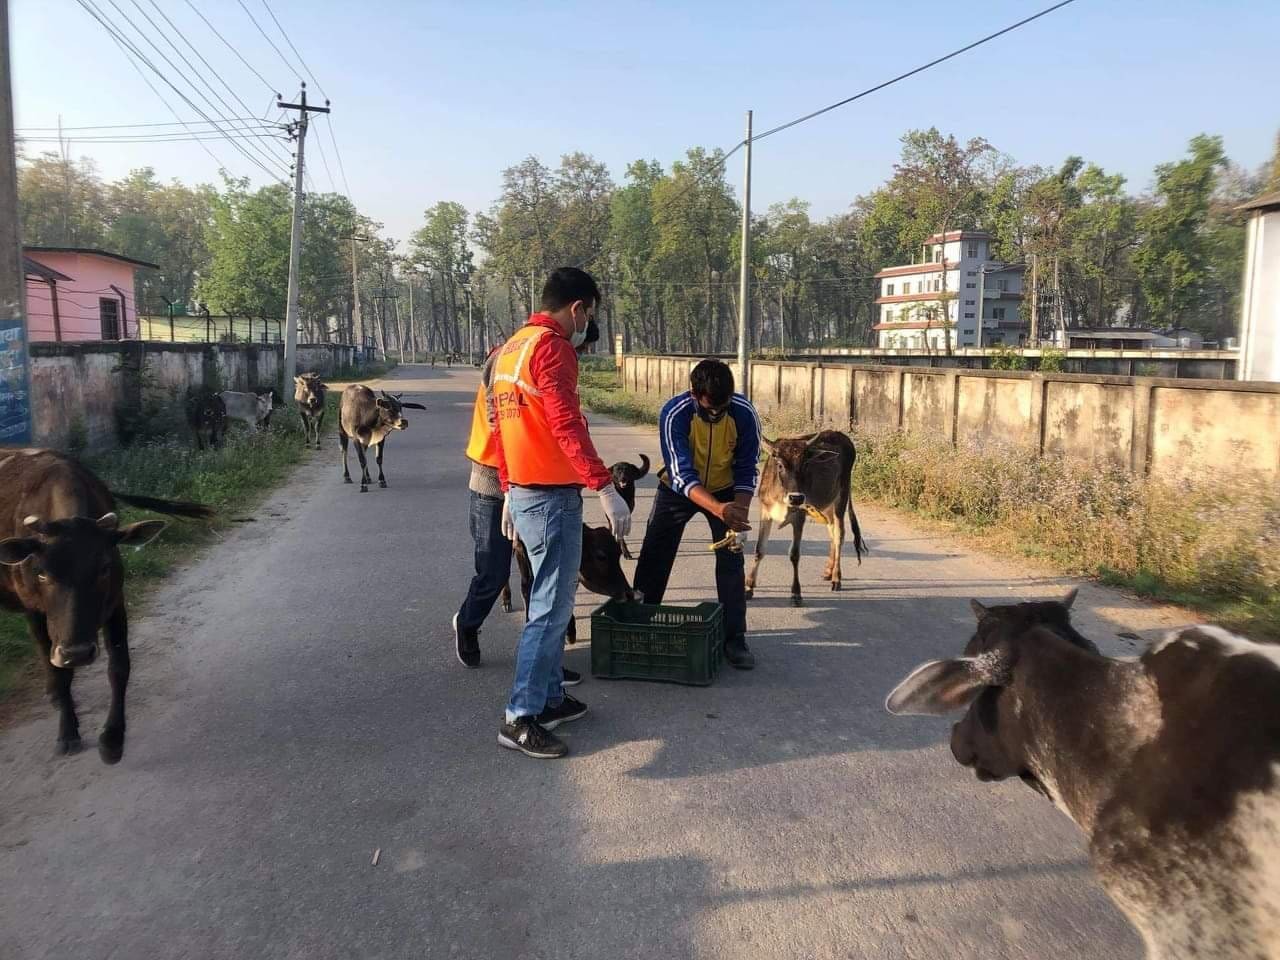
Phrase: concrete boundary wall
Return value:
(1173, 428)
(77, 388)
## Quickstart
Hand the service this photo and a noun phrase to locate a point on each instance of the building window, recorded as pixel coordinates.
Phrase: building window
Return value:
(888, 289)
(971, 273)
(997, 313)
(109, 312)
(968, 316)
(970, 286)
(888, 315)
(968, 303)
(969, 332)
(937, 255)
(973, 249)
(1001, 284)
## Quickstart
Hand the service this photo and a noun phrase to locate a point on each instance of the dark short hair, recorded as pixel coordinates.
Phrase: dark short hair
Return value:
(567, 284)
(712, 379)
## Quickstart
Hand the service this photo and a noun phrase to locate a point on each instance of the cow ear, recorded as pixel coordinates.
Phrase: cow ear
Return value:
(15, 550)
(1070, 598)
(979, 608)
(768, 445)
(943, 686)
(141, 533)
(381, 402)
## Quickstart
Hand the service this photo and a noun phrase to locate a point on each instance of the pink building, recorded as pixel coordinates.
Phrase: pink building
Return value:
(75, 293)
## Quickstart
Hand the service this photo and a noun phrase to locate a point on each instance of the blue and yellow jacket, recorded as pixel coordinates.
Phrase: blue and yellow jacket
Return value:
(719, 456)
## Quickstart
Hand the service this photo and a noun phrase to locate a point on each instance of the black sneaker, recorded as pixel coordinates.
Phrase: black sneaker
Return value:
(467, 645)
(736, 652)
(527, 736)
(571, 677)
(563, 712)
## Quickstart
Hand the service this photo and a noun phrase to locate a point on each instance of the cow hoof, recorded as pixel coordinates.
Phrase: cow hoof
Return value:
(835, 586)
(506, 606)
(111, 746)
(749, 592)
(347, 480)
(797, 600)
(382, 484)
(826, 576)
(363, 488)
(68, 746)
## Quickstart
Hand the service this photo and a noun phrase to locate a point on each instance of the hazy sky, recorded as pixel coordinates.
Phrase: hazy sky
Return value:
(432, 100)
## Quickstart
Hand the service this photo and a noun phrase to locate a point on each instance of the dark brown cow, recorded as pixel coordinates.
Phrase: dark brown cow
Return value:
(368, 420)
(600, 570)
(806, 476)
(309, 394)
(1169, 763)
(206, 414)
(60, 566)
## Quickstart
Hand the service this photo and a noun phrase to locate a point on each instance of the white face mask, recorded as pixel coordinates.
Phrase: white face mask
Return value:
(579, 337)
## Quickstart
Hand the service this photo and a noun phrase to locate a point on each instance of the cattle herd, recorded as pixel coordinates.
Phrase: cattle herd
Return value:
(1167, 762)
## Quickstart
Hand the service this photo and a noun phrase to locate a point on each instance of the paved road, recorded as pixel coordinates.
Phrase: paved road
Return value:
(296, 705)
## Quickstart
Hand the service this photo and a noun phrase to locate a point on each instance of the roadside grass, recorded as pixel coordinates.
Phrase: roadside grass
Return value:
(372, 371)
(1213, 548)
(232, 479)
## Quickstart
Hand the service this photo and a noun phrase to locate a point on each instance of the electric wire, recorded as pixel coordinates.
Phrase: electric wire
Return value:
(196, 87)
(91, 8)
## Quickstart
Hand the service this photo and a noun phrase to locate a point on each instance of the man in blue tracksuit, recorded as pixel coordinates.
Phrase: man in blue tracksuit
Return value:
(710, 440)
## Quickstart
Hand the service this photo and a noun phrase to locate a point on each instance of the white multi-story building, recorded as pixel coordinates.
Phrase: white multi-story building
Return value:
(956, 273)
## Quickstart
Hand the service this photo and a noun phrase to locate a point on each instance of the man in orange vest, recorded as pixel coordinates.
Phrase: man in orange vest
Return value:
(545, 457)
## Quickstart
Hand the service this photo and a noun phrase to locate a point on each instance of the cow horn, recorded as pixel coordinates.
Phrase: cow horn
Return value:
(108, 521)
(36, 524)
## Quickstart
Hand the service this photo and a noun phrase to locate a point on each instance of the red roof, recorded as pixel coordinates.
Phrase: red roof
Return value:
(913, 325)
(915, 268)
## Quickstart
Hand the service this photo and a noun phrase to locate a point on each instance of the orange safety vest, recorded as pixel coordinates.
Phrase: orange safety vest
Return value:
(533, 455)
(483, 446)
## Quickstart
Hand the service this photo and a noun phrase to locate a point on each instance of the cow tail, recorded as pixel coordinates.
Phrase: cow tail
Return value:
(859, 545)
(174, 508)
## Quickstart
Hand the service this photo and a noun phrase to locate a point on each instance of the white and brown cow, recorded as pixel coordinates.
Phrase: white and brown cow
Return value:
(1167, 762)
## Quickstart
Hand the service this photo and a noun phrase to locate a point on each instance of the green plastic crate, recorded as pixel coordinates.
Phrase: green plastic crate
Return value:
(638, 641)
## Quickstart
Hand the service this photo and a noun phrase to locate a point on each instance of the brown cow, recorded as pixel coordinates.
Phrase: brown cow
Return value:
(309, 393)
(1167, 763)
(808, 476)
(60, 566)
(368, 420)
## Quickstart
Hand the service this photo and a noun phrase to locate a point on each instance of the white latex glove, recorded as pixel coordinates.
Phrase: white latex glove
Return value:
(508, 521)
(616, 513)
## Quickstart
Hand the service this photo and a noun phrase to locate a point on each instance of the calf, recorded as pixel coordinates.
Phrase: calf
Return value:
(808, 476)
(60, 566)
(368, 420)
(599, 570)
(206, 414)
(309, 394)
(1168, 763)
(625, 476)
(251, 409)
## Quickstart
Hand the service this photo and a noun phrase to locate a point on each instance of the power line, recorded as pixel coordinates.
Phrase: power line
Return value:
(338, 154)
(912, 73)
(288, 65)
(129, 126)
(232, 48)
(147, 80)
(195, 138)
(270, 158)
(196, 51)
(90, 7)
(280, 27)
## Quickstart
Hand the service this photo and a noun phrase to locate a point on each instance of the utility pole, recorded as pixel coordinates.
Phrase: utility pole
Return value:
(295, 241)
(1035, 305)
(15, 390)
(744, 280)
(357, 318)
(409, 276)
(982, 292)
(471, 349)
(782, 323)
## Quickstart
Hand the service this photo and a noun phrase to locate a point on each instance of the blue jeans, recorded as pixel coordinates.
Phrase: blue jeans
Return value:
(493, 561)
(549, 524)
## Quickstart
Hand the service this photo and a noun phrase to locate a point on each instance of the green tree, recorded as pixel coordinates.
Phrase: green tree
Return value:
(1172, 262)
(62, 202)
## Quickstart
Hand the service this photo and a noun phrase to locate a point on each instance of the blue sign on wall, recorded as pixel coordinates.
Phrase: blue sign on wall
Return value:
(15, 402)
